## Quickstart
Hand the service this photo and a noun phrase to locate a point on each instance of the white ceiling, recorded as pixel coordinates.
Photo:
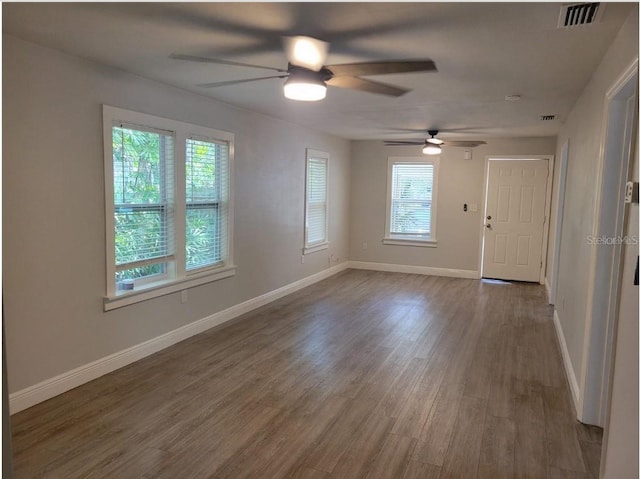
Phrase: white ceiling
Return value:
(483, 52)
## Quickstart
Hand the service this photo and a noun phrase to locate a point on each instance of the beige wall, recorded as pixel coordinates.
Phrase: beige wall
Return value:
(583, 128)
(460, 181)
(54, 220)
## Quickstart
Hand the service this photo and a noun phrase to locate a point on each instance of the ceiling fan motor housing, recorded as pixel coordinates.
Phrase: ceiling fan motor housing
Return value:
(304, 74)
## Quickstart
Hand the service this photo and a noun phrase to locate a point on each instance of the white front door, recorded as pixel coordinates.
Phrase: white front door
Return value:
(514, 220)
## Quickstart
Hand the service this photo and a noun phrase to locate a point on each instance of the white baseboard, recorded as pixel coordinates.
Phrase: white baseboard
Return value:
(405, 268)
(49, 388)
(566, 360)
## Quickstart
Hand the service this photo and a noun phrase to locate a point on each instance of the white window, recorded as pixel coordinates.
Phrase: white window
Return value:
(411, 201)
(316, 212)
(168, 205)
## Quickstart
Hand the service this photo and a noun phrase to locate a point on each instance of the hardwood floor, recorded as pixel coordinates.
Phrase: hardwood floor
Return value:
(365, 374)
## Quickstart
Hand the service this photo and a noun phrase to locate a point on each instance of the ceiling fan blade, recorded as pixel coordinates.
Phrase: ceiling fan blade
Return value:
(236, 82)
(464, 143)
(306, 52)
(193, 58)
(435, 141)
(402, 143)
(353, 83)
(382, 68)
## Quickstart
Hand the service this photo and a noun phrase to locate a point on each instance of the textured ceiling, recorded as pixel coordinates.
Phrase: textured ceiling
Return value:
(483, 52)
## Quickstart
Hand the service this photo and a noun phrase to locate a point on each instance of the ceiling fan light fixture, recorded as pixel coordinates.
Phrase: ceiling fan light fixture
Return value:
(431, 149)
(309, 52)
(304, 88)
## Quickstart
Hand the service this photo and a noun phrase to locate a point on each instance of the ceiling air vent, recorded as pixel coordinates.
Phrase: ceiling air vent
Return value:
(576, 14)
(547, 117)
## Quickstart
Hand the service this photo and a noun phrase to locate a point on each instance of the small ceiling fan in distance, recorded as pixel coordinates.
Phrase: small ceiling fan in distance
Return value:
(433, 145)
(307, 77)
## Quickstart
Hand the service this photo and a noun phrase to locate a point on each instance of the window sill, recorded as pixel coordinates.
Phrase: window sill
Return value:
(424, 243)
(314, 248)
(155, 290)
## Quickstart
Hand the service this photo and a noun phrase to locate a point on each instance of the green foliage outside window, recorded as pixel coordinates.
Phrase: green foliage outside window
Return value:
(143, 228)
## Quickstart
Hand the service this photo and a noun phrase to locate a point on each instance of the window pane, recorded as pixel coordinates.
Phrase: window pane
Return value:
(317, 221)
(203, 242)
(206, 176)
(137, 166)
(140, 234)
(201, 175)
(141, 272)
(410, 217)
(412, 190)
(317, 181)
(316, 212)
(142, 218)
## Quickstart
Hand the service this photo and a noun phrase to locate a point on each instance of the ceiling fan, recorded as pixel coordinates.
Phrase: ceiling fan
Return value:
(433, 145)
(307, 76)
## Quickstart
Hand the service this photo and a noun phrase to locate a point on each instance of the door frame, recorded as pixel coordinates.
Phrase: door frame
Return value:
(547, 207)
(603, 283)
(559, 208)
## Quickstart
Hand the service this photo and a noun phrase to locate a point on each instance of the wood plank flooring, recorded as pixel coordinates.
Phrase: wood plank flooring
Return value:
(363, 375)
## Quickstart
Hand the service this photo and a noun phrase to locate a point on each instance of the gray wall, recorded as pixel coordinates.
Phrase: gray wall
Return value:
(54, 219)
(583, 128)
(460, 181)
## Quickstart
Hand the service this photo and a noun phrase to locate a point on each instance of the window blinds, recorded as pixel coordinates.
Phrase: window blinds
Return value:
(412, 188)
(207, 185)
(142, 169)
(316, 218)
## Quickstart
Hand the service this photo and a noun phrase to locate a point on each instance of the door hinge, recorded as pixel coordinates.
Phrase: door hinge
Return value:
(631, 192)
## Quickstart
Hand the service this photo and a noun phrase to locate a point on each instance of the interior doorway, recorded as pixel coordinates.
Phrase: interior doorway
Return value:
(604, 279)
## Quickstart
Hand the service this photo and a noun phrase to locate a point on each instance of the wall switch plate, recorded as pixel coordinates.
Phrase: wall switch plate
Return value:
(473, 207)
(628, 192)
(467, 154)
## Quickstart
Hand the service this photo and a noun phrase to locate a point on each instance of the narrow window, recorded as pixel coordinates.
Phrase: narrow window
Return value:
(316, 212)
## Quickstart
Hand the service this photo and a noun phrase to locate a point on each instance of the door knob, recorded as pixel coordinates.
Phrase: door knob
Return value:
(489, 217)
(489, 225)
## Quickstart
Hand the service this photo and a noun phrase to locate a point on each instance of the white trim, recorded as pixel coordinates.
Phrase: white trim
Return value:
(603, 281)
(412, 269)
(127, 298)
(566, 360)
(425, 243)
(49, 388)
(562, 185)
(314, 248)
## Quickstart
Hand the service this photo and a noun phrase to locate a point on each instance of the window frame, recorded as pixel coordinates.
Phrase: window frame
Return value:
(430, 240)
(311, 154)
(176, 277)
(219, 205)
